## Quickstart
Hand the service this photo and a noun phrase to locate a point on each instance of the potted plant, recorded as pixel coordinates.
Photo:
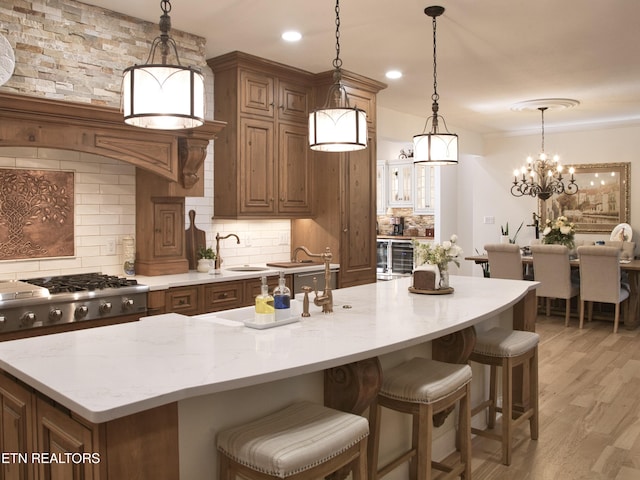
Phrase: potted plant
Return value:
(206, 257)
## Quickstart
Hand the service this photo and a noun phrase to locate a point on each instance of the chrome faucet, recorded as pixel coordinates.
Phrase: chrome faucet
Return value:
(218, 260)
(326, 299)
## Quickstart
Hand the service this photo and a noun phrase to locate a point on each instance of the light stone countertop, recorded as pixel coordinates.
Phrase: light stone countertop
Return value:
(163, 282)
(109, 372)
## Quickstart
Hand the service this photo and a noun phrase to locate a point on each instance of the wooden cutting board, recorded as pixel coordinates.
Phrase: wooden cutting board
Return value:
(194, 238)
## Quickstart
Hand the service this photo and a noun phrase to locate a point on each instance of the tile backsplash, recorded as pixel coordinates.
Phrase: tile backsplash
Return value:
(105, 213)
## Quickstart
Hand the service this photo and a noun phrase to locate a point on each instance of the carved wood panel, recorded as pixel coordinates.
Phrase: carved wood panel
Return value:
(36, 214)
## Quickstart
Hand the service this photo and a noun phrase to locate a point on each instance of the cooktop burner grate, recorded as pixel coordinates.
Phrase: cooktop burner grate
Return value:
(81, 282)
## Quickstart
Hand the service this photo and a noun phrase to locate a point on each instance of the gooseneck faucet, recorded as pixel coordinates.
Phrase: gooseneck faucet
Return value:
(326, 299)
(218, 260)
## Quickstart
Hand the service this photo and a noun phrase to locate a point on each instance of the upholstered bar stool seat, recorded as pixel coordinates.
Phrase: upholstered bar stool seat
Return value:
(505, 348)
(422, 388)
(302, 441)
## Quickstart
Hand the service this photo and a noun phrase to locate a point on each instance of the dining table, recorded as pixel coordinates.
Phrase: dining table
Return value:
(631, 267)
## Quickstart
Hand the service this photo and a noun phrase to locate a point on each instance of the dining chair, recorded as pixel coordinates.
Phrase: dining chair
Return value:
(505, 260)
(600, 281)
(627, 249)
(552, 269)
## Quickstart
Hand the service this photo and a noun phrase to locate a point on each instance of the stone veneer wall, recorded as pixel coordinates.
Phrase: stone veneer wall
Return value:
(68, 50)
(75, 52)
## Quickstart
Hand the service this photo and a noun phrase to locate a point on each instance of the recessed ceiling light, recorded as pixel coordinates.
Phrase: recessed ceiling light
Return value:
(393, 74)
(291, 36)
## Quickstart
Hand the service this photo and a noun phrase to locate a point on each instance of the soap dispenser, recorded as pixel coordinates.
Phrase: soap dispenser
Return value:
(264, 305)
(282, 299)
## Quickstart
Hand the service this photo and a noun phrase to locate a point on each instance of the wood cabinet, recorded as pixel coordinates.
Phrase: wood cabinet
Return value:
(262, 159)
(160, 237)
(184, 300)
(65, 438)
(345, 203)
(210, 297)
(16, 424)
(57, 444)
(252, 287)
(223, 296)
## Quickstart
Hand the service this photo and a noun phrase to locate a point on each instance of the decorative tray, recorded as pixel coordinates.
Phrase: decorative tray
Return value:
(277, 323)
(441, 291)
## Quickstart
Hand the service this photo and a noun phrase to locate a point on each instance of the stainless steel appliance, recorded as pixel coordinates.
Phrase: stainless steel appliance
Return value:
(398, 225)
(395, 257)
(306, 278)
(50, 301)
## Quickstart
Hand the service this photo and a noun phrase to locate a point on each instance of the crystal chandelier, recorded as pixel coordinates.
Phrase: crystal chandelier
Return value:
(160, 95)
(337, 127)
(542, 177)
(435, 147)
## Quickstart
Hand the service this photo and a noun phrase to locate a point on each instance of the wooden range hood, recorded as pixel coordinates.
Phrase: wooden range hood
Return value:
(170, 163)
(39, 122)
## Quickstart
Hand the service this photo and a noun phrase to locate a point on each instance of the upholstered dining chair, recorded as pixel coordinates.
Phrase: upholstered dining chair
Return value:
(600, 281)
(504, 260)
(552, 269)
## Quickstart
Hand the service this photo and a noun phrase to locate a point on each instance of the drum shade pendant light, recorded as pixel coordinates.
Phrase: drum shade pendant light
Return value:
(435, 147)
(161, 95)
(542, 177)
(337, 127)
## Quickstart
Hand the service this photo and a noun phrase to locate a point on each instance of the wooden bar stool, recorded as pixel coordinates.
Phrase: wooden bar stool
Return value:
(423, 388)
(303, 441)
(500, 347)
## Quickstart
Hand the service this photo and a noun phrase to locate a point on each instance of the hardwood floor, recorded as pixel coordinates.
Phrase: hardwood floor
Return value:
(589, 409)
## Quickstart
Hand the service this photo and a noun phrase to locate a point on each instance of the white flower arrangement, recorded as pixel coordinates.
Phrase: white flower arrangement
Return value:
(560, 231)
(437, 254)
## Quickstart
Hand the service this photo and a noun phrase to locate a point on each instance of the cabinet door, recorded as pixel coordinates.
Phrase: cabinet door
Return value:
(357, 245)
(168, 230)
(293, 102)
(400, 177)
(256, 167)
(424, 189)
(381, 188)
(256, 93)
(294, 176)
(59, 434)
(183, 300)
(223, 296)
(16, 427)
(252, 287)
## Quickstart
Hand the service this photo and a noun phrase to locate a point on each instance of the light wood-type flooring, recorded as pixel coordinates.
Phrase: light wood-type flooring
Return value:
(589, 409)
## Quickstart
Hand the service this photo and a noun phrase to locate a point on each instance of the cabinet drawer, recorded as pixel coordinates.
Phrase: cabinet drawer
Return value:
(223, 296)
(252, 287)
(183, 300)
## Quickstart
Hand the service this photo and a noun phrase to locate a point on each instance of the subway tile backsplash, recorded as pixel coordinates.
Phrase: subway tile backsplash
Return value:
(105, 213)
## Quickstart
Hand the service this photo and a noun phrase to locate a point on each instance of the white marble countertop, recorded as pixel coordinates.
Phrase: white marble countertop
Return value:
(162, 282)
(109, 372)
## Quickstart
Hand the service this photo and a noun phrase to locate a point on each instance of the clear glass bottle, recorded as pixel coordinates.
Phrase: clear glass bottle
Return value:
(282, 299)
(129, 254)
(264, 305)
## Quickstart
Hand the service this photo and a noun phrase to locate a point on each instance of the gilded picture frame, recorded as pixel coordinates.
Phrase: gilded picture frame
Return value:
(601, 203)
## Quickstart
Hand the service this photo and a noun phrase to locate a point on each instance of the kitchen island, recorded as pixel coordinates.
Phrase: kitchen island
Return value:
(205, 373)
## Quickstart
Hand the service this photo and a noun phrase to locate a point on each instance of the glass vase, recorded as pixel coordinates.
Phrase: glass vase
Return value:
(444, 277)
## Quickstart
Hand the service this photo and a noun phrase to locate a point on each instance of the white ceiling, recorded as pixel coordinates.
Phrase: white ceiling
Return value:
(491, 53)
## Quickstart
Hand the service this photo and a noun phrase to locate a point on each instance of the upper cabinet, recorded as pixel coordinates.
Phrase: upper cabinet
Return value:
(400, 184)
(262, 160)
(424, 188)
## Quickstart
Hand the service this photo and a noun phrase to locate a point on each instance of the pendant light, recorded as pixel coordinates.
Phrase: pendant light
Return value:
(337, 127)
(435, 147)
(161, 95)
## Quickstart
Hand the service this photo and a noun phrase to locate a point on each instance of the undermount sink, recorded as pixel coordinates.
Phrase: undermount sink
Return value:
(247, 269)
